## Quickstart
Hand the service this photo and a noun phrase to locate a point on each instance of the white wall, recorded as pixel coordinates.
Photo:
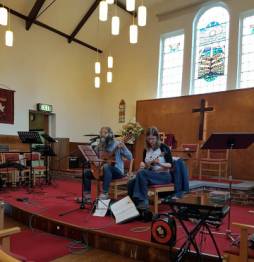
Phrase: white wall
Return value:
(136, 67)
(43, 67)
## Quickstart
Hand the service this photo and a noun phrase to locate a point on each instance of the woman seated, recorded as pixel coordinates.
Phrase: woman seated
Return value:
(154, 170)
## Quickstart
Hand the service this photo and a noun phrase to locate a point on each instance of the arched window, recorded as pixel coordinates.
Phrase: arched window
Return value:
(246, 54)
(211, 34)
(171, 65)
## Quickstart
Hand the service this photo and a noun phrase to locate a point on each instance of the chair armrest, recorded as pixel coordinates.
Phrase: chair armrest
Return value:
(243, 226)
(7, 258)
(9, 231)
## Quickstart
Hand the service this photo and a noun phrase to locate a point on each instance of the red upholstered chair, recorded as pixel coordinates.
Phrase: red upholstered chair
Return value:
(38, 168)
(216, 161)
(10, 174)
(154, 192)
(242, 253)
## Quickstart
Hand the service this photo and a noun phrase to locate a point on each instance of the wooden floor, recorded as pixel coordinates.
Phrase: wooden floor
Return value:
(92, 255)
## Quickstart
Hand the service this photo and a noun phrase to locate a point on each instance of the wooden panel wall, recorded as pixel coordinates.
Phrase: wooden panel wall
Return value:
(14, 143)
(233, 112)
(62, 150)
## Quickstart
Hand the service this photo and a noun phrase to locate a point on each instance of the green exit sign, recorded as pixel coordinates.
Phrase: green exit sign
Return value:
(44, 107)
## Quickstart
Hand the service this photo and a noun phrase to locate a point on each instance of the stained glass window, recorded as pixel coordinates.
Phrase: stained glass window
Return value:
(246, 77)
(211, 51)
(171, 68)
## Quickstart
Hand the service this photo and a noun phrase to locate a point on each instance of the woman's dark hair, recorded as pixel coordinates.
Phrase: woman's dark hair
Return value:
(153, 131)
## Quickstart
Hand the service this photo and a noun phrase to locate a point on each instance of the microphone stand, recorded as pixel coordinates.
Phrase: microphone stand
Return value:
(83, 202)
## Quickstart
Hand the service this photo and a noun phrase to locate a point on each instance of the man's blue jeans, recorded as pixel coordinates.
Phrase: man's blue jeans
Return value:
(109, 173)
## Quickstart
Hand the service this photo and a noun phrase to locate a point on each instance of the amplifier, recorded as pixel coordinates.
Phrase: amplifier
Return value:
(74, 162)
(163, 230)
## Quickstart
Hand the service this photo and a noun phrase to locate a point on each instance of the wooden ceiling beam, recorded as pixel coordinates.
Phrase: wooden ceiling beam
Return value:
(83, 20)
(54, 30)
(33, 13)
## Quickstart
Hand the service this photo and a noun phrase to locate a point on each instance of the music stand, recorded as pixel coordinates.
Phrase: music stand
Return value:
(48, 152)
(89, 156)
(30, 137)
(230, 141)
(48, 138)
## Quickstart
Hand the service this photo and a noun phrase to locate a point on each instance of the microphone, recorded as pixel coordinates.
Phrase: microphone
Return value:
(94, 139)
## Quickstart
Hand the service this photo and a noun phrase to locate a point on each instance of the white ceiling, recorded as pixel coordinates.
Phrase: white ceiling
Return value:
(64, 15)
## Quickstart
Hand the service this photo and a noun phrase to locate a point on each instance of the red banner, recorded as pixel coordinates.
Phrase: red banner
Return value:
(6, 106)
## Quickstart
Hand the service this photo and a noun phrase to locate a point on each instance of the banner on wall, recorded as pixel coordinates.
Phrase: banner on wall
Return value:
(6, 106)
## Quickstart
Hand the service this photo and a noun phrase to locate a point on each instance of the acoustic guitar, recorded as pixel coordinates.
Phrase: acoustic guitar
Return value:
(97, 162)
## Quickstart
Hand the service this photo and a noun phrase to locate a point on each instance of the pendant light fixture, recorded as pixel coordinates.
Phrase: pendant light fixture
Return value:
(9, 38)
(110, 61)
(133, 33)
(115, 22)
(3, 16)
(115, 25)
(103, 11)
(97, 67)
(97, 82)
(9, 34)
(130, 5)
(109, 77)
(142, 15)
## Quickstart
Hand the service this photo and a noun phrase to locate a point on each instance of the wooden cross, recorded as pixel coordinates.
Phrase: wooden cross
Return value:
(162, 137)
(202, 110)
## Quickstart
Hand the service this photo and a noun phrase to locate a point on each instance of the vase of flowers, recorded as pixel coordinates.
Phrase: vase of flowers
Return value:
(131, 131)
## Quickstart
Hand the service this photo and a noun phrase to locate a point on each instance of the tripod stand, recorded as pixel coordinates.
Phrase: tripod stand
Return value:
(230, 141)
(83, 203)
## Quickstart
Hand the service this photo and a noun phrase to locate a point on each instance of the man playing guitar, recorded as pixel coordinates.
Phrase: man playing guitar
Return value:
(109, 149)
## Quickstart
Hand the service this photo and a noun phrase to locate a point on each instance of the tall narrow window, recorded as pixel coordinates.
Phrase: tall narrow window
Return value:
(246, 70)
(171, 65)
(211, 51)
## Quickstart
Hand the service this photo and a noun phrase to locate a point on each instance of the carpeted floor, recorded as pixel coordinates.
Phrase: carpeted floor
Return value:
(52, 200)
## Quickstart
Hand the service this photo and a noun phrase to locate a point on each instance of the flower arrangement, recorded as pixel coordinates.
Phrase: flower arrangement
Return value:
(131, 131)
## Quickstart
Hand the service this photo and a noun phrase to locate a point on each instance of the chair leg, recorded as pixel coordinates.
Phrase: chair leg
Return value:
(6, 244)
(156, 202)
(200, 171)
(115, 191)
(219, 172)
(226, 170)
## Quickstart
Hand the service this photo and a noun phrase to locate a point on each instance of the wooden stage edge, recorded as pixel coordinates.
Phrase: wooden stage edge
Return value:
(124, 246)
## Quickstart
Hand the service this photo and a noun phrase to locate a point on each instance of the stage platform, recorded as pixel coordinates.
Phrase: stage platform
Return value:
(42, 207)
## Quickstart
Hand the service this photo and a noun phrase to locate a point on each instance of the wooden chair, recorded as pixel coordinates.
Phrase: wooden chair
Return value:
(190, 154)
(5, 233)
(215, 161)
(243, 253)
(116, 184)
(39, 169)
(5, 254)
(4, 257)
(154, 190)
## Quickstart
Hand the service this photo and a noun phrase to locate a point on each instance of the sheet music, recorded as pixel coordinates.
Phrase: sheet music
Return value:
(101, 208)
(124, 209)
